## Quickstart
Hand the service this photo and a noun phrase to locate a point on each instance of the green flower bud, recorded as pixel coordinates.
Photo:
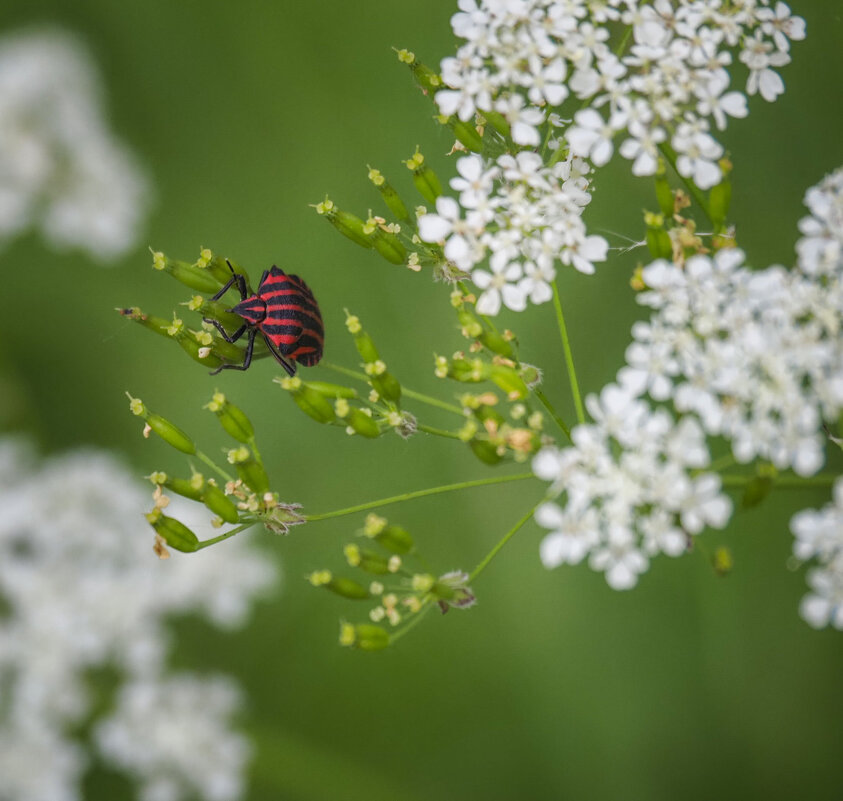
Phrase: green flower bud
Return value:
(219, 503)
(164, 428)
(362, 423)
(485, 451)
(719, 200)
(365, 636)
(469, 370)
(471, 326)
(175, 533)
(216, 310)
(156, 324)
(756, 490)
(344, 587)
(186, 487)
(348, 224)
(312, 402)
(425, 180)
(723, 561)
(664, 194)
(387, 386)
(367, 560)
(249, 469)
(497, 344)
(365, 346)
(657, 238)
(389, 246)
(498, 122)
(394, 539)
(508, 379)
(331, 390)
(389, 194)
(188, 274)
(465, 133)
(428, 80)
(231, 418)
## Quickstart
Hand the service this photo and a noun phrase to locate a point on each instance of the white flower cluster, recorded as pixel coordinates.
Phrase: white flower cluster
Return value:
(752, 356)
(81, 591)
(521, 57)
(632, 487)
(756, 355)
(819, 535)
(61, 169)
(523, 216)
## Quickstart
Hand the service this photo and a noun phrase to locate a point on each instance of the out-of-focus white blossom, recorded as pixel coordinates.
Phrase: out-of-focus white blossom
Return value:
(524, 58)
(819, 535)
(83, 591)
(62, 171)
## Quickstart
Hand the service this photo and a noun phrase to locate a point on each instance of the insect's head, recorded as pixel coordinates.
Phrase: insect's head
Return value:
(252, 309)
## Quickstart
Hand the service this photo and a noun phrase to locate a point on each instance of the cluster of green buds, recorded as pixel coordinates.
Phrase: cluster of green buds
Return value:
(334, 404)
(396, 240)
(241, 498)
(201, 341)
(671, 235)
(502, 422)
(390, 576)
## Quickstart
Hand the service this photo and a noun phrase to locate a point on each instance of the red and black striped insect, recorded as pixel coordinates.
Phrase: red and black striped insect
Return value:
(284, 311)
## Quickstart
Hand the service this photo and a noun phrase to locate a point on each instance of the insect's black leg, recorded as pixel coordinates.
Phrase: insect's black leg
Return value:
(228, 338)
(290, 367)
(228, 286)
(241, 281)
(247, 359)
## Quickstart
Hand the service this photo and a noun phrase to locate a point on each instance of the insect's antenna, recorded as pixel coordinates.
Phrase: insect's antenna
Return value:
(230, 267)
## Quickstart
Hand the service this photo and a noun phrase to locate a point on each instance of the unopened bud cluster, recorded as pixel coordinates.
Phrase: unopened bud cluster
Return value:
(368, 415)
(199, 339)
(242, 500)
(389, 576)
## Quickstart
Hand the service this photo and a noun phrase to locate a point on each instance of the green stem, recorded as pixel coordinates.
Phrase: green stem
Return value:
(421, 398)
(785, 482)
(569, 357)
(670, 154)
(221, 537)
(203, 457)
(551, 411)
(408, 496)
(418, 617)
(506, 538)
(437, 431)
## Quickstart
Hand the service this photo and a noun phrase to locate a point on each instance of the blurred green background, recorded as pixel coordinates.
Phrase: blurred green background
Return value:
(553, 686)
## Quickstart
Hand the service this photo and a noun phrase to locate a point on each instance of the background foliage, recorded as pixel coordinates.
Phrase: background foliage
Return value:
(554, 686)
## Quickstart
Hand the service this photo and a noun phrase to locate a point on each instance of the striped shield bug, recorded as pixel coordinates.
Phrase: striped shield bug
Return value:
(284, 311)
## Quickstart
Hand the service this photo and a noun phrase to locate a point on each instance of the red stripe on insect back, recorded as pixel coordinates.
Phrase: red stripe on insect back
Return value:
(275, 313)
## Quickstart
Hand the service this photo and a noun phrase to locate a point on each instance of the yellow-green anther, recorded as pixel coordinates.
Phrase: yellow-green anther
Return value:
(394, 539)
(362, 423)
(319, 578)
(136, 406)
(723, 560)
(188, 274)
(347, 588)
(341, 407)
(158, 477)
(365, 636)
(509, 381)
(348, 224)
(249, 469)
(332, 390)
(422, 582)
(175, 533)
(219, 503)
(664, 194)
(485, 451)
(157, 324)
(466, 134)
(498, 122)
(389, 194)
(232, 418)
(389, 246)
